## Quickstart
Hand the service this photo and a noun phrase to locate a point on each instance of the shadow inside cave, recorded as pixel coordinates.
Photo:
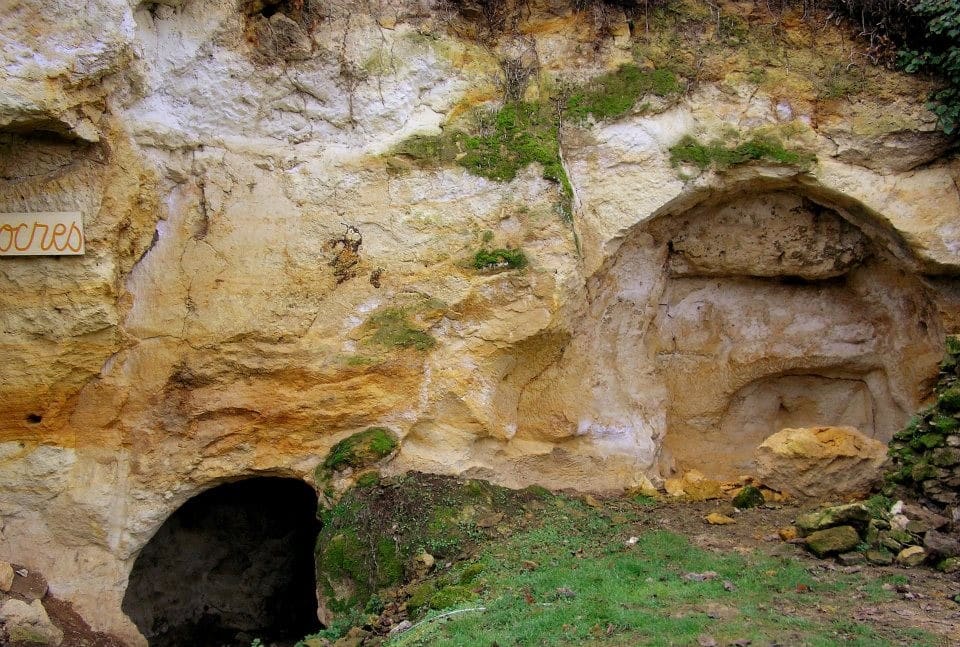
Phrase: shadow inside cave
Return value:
(232, 564)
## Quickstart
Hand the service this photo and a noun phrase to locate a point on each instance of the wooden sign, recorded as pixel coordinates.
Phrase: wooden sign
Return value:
(51, 233)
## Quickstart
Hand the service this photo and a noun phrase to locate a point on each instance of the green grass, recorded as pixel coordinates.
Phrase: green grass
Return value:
(721, 155)
(614, 94)
(637, 595)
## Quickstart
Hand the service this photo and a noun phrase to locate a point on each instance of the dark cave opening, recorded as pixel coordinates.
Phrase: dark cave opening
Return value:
(232, 564)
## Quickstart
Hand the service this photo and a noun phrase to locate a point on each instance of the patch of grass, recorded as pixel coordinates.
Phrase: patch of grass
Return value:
(589, 588)
(721, 155)
(614, 94)
(491, 259)
(392, 328)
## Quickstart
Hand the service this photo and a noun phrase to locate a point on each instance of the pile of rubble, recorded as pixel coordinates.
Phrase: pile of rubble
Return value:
(903, 533)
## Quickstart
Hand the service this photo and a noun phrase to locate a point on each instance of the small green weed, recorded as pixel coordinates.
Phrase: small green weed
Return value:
(493, 259)
(517, 135)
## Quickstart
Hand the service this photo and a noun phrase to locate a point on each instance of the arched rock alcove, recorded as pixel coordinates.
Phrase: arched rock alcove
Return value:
(232, 564)
(730, 315)
(775, 309)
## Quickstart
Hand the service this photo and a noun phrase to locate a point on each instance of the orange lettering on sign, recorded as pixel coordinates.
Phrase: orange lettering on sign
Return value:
(75, 230)
(16, 238)
(8, 230)
(59, 229)
(43, 236)
(41, 233)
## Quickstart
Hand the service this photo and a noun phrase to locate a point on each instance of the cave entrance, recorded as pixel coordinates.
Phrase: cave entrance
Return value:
(232, 564)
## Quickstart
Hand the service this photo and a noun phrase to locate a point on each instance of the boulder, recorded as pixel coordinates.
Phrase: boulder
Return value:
(911, 556)
(821, 462)
(29, 624)
(923, 519)
(693, 486)
(879, 557)
(833, 541)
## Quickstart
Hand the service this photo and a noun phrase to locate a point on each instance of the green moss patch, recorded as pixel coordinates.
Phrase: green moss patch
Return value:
(361, 449)
(721, 155)
(391, 328)
(613, 95)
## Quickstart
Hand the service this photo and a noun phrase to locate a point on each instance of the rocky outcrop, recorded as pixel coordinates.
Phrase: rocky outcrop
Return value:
(283, 203)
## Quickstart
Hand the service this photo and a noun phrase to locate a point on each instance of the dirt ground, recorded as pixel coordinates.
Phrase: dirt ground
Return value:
(924, 602)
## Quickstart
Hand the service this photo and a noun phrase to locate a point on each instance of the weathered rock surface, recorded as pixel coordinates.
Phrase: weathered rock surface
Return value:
(247, 226)
(852, 514)
(28, 624)
(941, 544)
(911, 556)
(833, 541)
(821, 462)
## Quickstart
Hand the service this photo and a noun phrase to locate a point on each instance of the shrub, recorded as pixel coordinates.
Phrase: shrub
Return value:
(361, 449)
(939, 53)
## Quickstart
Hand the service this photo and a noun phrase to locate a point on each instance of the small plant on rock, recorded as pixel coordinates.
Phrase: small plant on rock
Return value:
(486, 260)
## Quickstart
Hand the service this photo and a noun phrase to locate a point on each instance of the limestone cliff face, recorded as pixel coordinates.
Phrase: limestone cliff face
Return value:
(261, 263)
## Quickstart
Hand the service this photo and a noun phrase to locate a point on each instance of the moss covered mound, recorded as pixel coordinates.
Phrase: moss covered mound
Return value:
(361, 449)
(926, 455)
(372, 536)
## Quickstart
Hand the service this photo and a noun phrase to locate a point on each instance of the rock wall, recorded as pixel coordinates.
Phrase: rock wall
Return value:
(262, 268)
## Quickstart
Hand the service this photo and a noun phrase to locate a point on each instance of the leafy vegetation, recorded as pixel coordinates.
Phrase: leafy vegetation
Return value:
(938, 52)
(489, 259)
(921, 452)
(720, 155)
